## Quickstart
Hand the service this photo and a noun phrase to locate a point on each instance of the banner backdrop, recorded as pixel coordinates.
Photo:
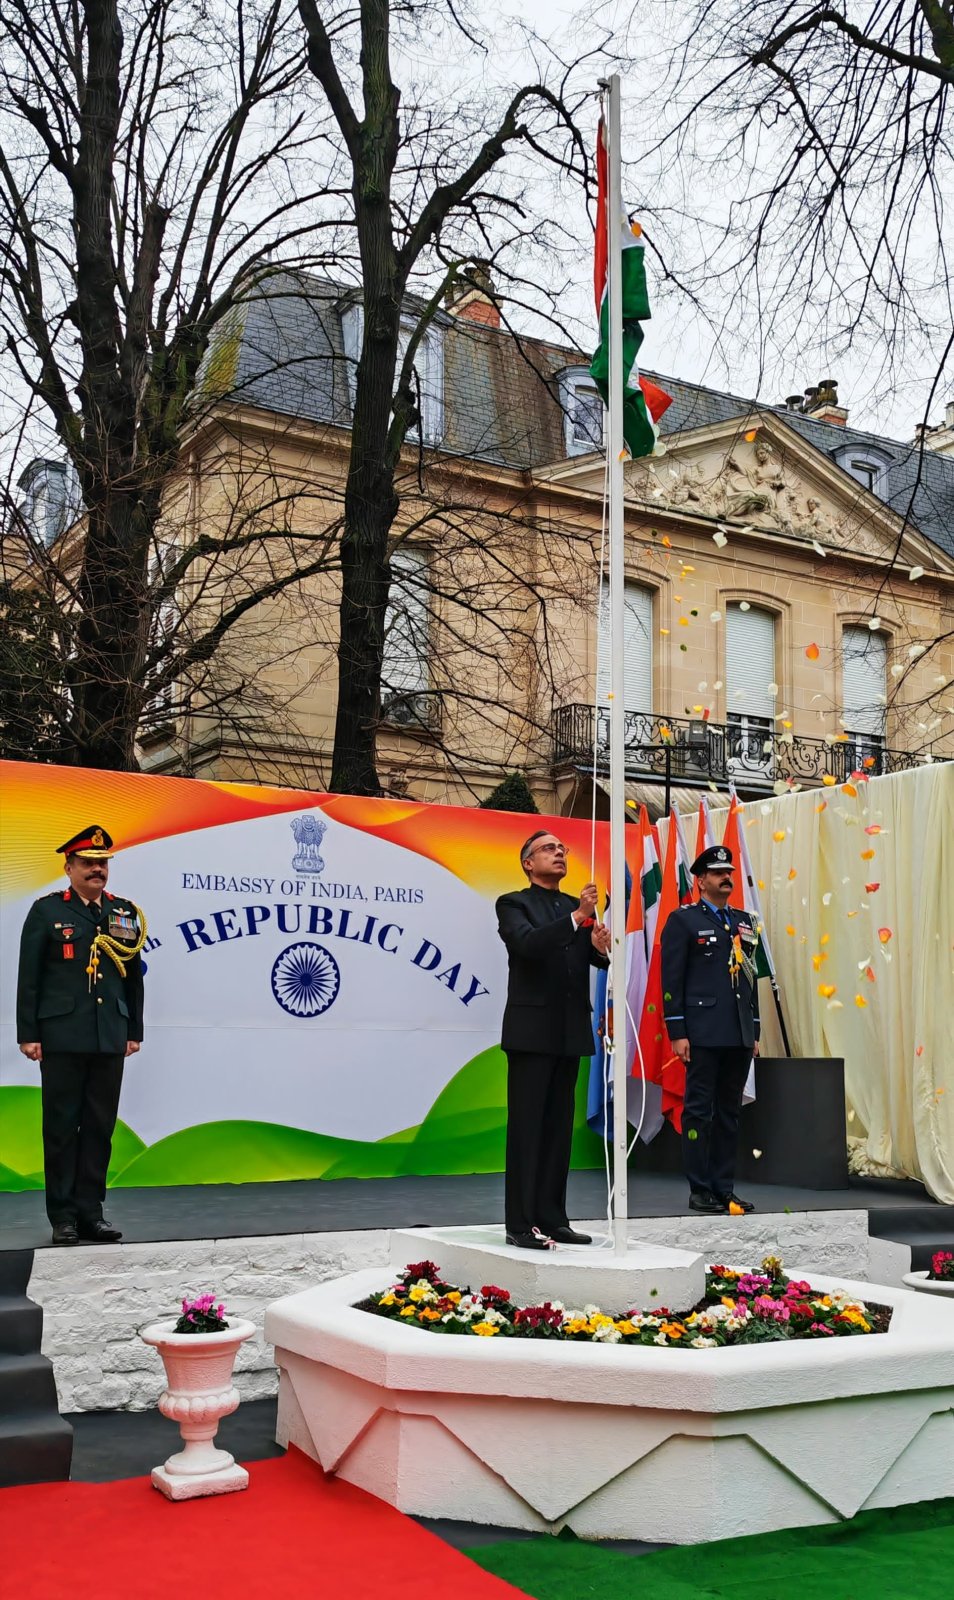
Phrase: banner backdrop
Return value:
(324, 979)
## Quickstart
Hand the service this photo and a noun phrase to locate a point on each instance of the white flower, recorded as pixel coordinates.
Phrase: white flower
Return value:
(607, 1334)
(661, 1338)
(702, 1344)
(592, 1311)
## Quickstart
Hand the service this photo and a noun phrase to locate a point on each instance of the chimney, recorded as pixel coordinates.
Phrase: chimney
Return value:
(794, 402)
(940, 438)
(473, 296)
(821, 402)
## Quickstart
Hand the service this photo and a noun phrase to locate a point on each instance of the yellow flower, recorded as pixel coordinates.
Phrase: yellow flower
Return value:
(576, 1325)
(674, 1330)
(408, 1311)
(599, 1319)
(454, 1296)
(388, 1299)
(626, 1326)
(421, 1291)
(485, 1329)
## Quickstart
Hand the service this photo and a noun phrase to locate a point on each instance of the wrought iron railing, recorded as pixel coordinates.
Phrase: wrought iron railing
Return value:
(744, 750)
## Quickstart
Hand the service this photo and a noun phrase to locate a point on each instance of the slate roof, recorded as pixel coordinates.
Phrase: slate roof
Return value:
(283, 350)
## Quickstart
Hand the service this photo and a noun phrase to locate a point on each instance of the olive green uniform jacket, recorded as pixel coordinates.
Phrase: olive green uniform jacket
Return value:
(55, 1004)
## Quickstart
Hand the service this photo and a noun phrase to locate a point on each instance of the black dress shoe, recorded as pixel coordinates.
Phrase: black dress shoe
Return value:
(530, 1241)
(569, 1235)
(733, 1199)
(709, 1204)
(65, 1233)
(99, 1232)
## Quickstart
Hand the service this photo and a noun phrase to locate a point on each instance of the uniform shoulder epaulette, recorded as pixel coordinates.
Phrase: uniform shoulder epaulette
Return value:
(107, 895)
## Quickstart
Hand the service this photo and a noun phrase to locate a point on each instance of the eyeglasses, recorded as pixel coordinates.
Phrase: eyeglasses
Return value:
(550, 848)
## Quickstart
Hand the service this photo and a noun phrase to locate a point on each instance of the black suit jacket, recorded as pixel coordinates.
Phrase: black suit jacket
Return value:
(548, 1008)
(700, 1001)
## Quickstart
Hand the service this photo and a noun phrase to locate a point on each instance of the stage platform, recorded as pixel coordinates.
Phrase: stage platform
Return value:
(252, 1244)
(254, 1210)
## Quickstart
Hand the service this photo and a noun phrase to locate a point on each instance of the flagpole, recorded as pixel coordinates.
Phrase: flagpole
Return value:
(614, 446)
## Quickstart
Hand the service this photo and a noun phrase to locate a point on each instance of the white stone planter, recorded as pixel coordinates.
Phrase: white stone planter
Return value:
(615, 1442)
(926, 1285)
(199, 1393)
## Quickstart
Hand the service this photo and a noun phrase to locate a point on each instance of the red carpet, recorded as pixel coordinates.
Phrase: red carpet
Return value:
(292, 1531)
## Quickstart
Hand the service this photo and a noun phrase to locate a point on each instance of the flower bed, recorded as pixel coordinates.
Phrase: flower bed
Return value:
(942, 1267)
(739, 1308)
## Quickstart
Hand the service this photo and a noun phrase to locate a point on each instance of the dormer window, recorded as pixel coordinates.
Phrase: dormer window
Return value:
(582, 412)
(428, 367)
(866, 464)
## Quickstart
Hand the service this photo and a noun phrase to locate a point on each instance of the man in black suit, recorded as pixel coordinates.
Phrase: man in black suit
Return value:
(551, 941)
(711, 1009)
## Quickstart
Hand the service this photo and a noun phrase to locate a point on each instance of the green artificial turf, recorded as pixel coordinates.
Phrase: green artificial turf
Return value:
(906, 1553)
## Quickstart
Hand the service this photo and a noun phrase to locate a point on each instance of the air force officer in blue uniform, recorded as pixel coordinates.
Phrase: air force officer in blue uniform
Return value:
(710, 1000)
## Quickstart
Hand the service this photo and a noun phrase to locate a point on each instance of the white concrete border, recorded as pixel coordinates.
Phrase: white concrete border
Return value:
(96, 1297)
(620, 1442)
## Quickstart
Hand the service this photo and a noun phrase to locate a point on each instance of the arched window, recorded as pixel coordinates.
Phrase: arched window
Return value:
(582, 412)
(867, 464)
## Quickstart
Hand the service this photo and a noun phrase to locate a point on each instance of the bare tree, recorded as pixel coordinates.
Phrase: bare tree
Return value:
(160, 162)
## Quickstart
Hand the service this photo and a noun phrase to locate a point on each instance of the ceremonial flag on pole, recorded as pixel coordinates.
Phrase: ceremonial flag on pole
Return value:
(683, 860)
(704, 834)
(643, 401)
(751, 899)
(655, 1060)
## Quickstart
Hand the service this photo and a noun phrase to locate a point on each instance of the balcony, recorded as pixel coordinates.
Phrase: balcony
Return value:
(747, 751)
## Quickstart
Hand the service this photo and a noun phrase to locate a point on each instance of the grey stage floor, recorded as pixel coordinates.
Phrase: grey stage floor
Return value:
(222, 1211)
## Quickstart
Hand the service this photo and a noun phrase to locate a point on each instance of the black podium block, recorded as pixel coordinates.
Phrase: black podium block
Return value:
(797, 1121)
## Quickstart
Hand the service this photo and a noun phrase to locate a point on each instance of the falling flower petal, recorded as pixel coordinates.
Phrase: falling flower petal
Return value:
(718, 682)
(920, 1050)
(666, 541)
(715, 616)
(761, 883)
(751, 436)
(702, 686)
(757, 1154)
(874, 623)
(872, 888)
(779, 786)
(835, 1005)
(860, 1001)
(812, 652)
(826, 990)
(771, 689)
(735, 1210)
(863, 964)
(917, 650)
(874, 827)
(849, 788)
(869, 974)
(778, 835)
(790, 930)
(818, 960)
(897, 669)
(822, 805)
(851, 1116)
(867, 855)
(664, 630)
(719, 539)
(792, 874)
(915, 573)
(825, 938)
(829, 779)
(884, 934)
(826, 899)
(819, 549)
(683, 622)
(744, 605)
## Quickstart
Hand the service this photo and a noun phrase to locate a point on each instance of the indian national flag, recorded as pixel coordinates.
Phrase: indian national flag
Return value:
(655, 1060)
(734, 839)
(643, 402)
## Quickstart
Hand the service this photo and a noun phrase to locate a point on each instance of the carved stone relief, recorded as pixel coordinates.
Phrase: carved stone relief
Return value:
(749, 485)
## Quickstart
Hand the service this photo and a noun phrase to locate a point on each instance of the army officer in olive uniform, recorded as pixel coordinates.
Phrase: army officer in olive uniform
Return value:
(710, 1004)
(79, 1015)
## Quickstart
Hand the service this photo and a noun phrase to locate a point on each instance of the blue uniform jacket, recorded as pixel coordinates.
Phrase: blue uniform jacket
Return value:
(700, 1001)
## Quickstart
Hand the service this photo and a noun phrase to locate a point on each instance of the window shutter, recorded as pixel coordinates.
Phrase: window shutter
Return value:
(404, 665)
(864, 661)
(637, 648)
(749, 661)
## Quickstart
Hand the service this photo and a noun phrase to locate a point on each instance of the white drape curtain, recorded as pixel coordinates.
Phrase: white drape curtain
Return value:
(898, 1045)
